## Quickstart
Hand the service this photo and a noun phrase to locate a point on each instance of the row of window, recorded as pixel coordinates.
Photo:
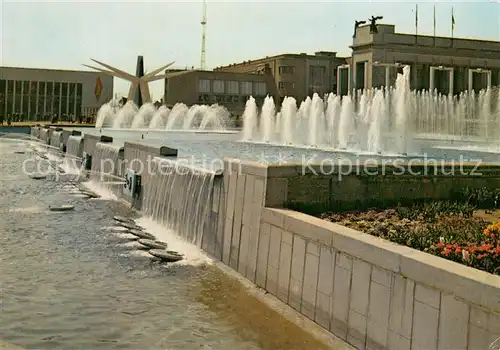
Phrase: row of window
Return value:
(232, 87)
(30, 98)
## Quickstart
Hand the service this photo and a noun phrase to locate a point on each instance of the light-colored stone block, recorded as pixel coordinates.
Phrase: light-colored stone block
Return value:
(326, 270)
(360, 291)
(356, 334)
(253, 246)
(382, 276)
(273, 217)
(344, 261)
(309, 227)
(262, 254)
(427, 295)
(481, 339)
(228, 235)
(284, 270)
(233, 180)
(298, 258)
(425, 327)
(275, 247)
(287, 237)
(259, 193)
(378, 314)
(243, 250)
(248, 200)
(322, 315)
(272, 280)
(401, 309)
(340, 304)
(295, 294)
(310, 283)
(397, 342)
(453, 324)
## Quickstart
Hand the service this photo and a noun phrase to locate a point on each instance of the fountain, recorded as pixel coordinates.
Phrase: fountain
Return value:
(387, 121)
(180, 117)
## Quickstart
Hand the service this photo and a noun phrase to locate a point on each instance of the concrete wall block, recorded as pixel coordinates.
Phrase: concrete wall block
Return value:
(322, 315)
(425, 327)
(273, 217)
(287, 237)
(240, 187)
(272, 280)
(344, 261)
(284, 269)
(262, 254)
(401, 309)
(340, 301)
(427, 295)
(309, 227)
(480, 338)
(295, 294)
(235, 243)
(310, 288)
(378, 314)
(276, 192)
(231, 196)
(453, 323)
(275, 247)
(228, 235)
(326, 270)
(356, 333)
(397, 342)
(360, 291)
(243, 250)
(297, 269)
(259, 193)
(248, 200)
(382, 276)
(253, 247)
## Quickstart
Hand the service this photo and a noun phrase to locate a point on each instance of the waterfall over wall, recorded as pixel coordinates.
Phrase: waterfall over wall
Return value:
(180, 198)
(107, 167)
(74, 147)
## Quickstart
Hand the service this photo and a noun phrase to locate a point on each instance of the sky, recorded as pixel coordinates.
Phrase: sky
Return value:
(65, 34)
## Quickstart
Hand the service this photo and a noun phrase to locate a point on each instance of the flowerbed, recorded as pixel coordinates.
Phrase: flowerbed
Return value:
(451, 230)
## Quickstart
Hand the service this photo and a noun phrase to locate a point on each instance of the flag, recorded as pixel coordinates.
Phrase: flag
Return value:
(98, 88)
(452, 20)
(416, 23)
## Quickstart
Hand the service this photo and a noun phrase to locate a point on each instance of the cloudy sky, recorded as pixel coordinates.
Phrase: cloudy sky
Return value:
(65, 34)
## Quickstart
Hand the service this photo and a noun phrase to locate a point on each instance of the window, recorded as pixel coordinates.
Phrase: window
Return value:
(78, 107)
(218, 86)
(286, 85)
(232, 87)
(246, 88)
(259, 89)
(204, 86)
(287, 69)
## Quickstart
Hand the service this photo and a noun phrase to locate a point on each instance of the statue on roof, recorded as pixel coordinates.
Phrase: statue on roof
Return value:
(356, 25)
(373, 24)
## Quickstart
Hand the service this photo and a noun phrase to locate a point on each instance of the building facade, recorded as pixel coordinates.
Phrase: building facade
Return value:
(449, 65)
(297, 75)
(37, 94)
(230, 90)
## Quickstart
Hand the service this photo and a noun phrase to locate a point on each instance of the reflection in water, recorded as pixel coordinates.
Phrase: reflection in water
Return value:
(68, 283)
(252, 320)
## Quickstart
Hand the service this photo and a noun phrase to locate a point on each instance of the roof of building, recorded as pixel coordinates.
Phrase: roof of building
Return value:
(53, 70)
(322, 54)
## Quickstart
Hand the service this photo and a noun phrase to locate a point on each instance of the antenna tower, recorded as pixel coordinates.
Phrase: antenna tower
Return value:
(203, 34)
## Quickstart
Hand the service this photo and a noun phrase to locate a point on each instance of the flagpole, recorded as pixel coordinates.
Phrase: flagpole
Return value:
(416, 23)
(434, 25)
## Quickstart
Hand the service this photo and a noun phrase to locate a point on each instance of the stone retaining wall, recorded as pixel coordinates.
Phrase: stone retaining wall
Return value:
(367, 291)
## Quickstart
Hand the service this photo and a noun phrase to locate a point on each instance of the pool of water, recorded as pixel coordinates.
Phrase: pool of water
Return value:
(67, 282)
(208, 149)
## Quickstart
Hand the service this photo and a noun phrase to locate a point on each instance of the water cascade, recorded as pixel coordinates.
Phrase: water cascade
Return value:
(144, 116)
(180, 197)
(107, 167)
(267, 119)
(250, 119)
(74, 150)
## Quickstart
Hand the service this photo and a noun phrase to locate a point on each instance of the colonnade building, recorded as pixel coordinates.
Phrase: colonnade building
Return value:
(449, 65)
(34, 94)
